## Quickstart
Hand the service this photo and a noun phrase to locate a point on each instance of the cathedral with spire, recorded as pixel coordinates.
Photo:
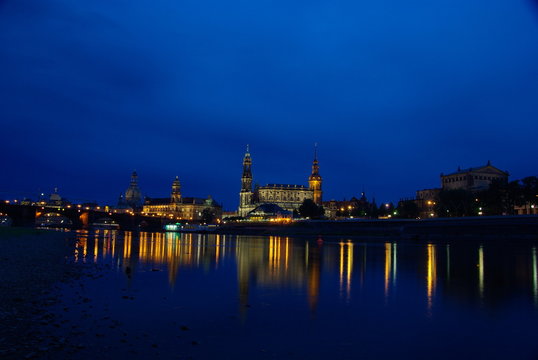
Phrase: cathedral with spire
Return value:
(286, 196)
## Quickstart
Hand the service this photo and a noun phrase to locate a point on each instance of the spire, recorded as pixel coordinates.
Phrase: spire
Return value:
(315, 180)
(134, 178)
(176, 191)
(315, 164)
(246, 179)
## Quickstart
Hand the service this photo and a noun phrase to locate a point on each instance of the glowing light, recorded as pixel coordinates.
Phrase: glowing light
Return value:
(481, 270)
(341, 266)
(346, 267)
(217, 250)
(388, 265)
(394, 263)
(431, 275)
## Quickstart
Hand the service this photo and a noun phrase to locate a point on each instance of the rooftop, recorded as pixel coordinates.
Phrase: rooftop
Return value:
(283, 186)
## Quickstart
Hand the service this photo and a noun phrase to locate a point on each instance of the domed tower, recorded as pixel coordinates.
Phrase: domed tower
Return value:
(176, 191)
(315, 180)
(245, 196)
(133, 195)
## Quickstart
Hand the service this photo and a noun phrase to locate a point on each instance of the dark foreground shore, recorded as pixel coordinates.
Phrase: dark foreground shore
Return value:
(31, 262)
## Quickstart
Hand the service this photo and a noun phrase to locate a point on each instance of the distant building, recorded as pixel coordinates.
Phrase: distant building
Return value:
(472, 179)
(133, 195)
(55, 200)
(178, 207)
(348, 208)
(426, 200)
(269, 212)
(286, 196)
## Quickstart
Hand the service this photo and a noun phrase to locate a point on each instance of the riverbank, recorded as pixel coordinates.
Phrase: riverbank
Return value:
(498, 227)
(31, 262)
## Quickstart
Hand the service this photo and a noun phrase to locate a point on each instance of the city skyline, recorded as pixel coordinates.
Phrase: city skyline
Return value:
(164, 190)
(394, 94)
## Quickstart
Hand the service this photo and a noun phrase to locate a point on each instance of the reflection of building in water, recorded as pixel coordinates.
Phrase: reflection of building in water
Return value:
(431, 274)
(391, 258)
(481, 271)
(277, 262)
(153, 250)
(346, 268)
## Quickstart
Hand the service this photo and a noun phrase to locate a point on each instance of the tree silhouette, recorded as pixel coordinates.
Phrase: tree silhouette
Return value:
(309, 209)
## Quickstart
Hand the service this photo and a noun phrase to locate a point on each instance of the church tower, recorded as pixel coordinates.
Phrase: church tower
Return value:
(245, 196)
(133, 195)
(176, 191)
(314, 180)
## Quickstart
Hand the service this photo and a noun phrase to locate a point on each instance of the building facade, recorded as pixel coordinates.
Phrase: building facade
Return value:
(177, 207)
(473, 179)
(288, 197)
(352, 208)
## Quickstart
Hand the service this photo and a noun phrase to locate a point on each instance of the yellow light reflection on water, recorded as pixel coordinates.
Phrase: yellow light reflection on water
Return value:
(346, 267)
(287, 254)
(481, 271)
(127, 243)
(394, 263)
(431, 275)
(388, 267)
(341, 272)
(349, 267)
(217, 249)
(95, 249)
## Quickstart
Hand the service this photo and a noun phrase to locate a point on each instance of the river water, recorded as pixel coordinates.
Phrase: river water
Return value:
(171, 295)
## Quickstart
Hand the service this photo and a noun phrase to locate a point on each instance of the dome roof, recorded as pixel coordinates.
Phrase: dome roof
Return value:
(268, 209)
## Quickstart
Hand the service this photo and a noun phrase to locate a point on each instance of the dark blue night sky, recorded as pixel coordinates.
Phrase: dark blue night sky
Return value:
(395, 92)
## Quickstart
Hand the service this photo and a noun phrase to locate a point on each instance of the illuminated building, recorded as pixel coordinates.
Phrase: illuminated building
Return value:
(178, 207)
(288, 197)
(54, 201)
(356, 208)
(269, 211)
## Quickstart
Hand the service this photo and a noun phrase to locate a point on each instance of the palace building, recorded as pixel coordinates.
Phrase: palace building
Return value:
(473, 179)
(286, 196)
(178, 207)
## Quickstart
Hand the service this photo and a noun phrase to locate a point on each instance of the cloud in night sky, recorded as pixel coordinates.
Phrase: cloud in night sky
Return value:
(393, 92)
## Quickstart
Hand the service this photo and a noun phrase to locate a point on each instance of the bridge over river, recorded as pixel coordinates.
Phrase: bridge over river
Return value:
(80, 217)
